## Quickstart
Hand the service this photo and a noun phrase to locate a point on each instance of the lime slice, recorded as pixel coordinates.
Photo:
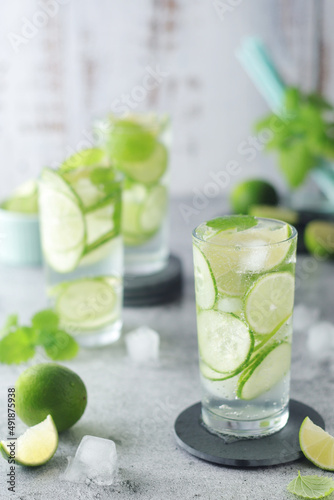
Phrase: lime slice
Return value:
(269, 302)
(205, 285)
(89, 193)
(223, 262)
(36, 446)
(265, 371)
(129, 142)
(319, 238)
(317, 445)
(63, 231)
(87, 303)
(83, 158)
(270, 212)
(150, 170)
(225, 342)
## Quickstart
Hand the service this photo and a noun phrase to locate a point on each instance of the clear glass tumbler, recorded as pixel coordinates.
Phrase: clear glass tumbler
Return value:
(138, 146)
(80, 220)
(244, 281)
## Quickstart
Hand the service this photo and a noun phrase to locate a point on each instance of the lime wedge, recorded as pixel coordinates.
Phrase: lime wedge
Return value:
(225, 342)
(265, 371)
(36, 446)
(88, 303)
(63, 231)
(83, 158)
(269, 302)
(319, 238)
(317, 445)
(150, 170)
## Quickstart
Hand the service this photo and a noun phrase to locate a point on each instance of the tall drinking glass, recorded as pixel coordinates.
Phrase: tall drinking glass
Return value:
(244, 281)
(138, 146)
(80, 219)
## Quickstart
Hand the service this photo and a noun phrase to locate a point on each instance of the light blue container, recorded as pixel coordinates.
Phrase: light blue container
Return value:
(19, 239)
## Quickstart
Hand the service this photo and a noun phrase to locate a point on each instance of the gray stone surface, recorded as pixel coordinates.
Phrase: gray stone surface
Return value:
(136, 406)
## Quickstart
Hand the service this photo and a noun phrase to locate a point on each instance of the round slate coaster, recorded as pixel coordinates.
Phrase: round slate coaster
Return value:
(278, 448)
(153, 289)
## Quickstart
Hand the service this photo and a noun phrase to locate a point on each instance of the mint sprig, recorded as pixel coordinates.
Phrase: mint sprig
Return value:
(311, 486)
(238, 222)
(303, 136)
(19, 343)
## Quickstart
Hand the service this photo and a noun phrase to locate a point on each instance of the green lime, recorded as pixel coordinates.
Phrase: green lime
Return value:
(317, 445)
(270, 212)
(269, 302)
(36, 446)
(50, 389)
(151, 169)
(252, 192)
(319, 238)
(129, 142)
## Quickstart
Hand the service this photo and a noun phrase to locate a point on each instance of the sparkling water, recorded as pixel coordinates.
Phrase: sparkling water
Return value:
(244, 281)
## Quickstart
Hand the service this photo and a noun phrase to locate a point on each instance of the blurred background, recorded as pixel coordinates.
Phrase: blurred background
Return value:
(65, 63)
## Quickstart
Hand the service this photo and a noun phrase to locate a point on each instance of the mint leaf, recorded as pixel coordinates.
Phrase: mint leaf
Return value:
(311, 486)
(239, 222)
(58, 345)
(18, 346)
(303, 136)
(45, 320)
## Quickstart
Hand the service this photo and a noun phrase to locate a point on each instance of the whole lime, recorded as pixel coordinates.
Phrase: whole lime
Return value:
(319, 238)
(50, 389)
(252, 192)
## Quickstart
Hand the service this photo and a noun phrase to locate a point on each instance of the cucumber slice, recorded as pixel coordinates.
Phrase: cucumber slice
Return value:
(63, 231)
(225, 342)
(99, 222)
(269, 302)
(205, 284)
(210, 374)
(150, 170)
(153, 210)
(265, 372)
(143, 212)
(87, 303)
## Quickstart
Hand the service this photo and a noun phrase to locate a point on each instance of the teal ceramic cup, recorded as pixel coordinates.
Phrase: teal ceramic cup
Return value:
(19, 239)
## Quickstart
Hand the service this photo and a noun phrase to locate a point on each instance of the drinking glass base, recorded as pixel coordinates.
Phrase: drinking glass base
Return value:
(108, 335)
(218, 425)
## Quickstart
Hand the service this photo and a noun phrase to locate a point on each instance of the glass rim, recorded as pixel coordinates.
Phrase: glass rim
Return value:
(294, 234)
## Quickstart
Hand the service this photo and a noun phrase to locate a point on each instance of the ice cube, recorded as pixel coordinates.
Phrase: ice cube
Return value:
(95, 461)
(253, 260)
(320, 339)
(230, 305)
(143, 345)
(304, 317)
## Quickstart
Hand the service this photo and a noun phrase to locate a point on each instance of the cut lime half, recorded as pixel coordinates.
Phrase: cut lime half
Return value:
(36, 446)
(269, 302)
